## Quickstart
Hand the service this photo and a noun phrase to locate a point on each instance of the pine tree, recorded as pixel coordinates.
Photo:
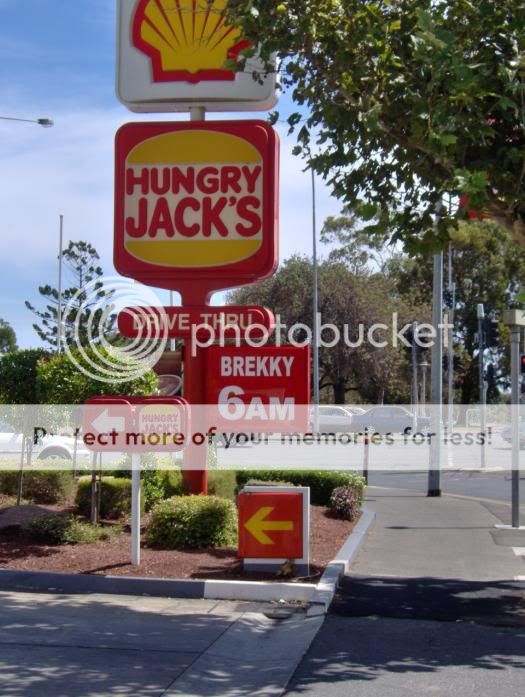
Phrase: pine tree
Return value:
(81, 265)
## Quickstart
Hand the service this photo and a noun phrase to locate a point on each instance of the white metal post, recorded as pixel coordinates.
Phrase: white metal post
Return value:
(135, 509)
(315, 326)
(436, 388)
(482, 390)
(59, 308)
(515, 339)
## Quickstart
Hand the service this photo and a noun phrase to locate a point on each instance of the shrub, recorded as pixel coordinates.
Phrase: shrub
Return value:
(222, 484)
(115, 498)
(157, 484)
(60, 529)
(54, 486)
(321, 483)
(193, 522)
(260, 482)
(345, 502)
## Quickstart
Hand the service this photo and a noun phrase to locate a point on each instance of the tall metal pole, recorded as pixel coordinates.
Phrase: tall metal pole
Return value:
(436, 388)
(482, 390)
(59, 309)
(415, 396)
(315, 326)
(515, 339)
(451, 314)
(135, 509)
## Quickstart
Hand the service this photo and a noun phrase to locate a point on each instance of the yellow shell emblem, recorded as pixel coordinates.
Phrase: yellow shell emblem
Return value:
(187, 40)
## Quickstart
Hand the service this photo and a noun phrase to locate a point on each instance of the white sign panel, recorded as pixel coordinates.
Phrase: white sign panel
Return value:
(174, 54)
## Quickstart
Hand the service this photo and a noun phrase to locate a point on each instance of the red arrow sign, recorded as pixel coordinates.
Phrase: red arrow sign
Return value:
(270, 525)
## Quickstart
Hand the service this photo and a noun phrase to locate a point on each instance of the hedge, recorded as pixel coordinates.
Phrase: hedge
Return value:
(115, 499)
(193, 522)
(60, 529)
(53, 486)
(321, 483)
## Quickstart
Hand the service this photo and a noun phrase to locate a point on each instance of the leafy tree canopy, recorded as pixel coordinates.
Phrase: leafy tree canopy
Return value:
(7, 337)
(405, 100)
(372, 373)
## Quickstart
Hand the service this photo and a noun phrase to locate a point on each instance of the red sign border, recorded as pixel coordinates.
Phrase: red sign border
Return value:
(197, 285)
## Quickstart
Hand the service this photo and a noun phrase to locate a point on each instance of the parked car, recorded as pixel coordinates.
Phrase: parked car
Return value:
(506, 434)
(58, 447)
(331, 419)
(389, 419)
(355, 411)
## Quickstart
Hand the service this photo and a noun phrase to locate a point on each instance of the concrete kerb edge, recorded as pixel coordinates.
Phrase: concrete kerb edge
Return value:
(319, 597)
(336, 569)
(44, 582)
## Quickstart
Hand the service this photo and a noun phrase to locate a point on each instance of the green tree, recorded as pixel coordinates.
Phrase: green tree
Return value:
(372, 374)
(489, 269)
(18, 372)
(80, 260)
(59, 380)
(7, 337)
(403, 101)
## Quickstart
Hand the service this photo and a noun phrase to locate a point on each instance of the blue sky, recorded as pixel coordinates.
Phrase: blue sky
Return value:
(57, 60)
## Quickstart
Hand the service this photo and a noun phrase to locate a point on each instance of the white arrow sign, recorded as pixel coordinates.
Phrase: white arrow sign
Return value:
(104, 423)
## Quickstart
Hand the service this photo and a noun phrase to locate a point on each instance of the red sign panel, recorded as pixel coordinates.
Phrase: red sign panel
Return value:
(135, 424)
(258, 389)
(196, 205)
(203, 323)
(270, 525)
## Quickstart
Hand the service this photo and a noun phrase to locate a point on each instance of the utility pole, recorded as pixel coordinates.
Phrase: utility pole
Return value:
(515, 319)
(451, 313)
(315, 326)
(482, 390)
(59, 308)
(415, 396)
(436, 388)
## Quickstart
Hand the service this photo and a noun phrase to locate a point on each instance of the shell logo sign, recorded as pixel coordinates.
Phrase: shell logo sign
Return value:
(175, 54)
(187, 40)
(196, 204)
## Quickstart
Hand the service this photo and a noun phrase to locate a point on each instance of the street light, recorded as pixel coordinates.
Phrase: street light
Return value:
(45, 123)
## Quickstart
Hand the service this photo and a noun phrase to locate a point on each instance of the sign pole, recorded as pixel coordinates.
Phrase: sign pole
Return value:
(135, 509)
(195, 455)
(515, 339)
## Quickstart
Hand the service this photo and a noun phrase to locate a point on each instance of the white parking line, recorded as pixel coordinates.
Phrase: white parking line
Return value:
(519, 551)
(519, 578)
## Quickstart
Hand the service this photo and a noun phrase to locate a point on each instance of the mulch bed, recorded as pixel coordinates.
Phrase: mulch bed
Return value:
(111, 558)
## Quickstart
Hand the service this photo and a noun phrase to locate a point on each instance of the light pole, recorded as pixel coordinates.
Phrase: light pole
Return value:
(482, 389)
(45, 123)
(515, 320)
(315, 328)
(59, 309)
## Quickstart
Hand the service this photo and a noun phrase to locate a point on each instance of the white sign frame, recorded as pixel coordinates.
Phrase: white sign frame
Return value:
(136, 89)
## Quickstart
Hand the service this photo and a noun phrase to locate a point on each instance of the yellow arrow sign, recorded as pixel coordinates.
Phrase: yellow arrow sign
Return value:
(258, 526)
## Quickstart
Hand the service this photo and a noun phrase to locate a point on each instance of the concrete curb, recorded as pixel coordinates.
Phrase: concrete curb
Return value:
(319, 597)
(325, 590)
(42, 582)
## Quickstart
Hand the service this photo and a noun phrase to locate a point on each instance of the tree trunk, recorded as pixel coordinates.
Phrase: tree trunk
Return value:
(339, 391)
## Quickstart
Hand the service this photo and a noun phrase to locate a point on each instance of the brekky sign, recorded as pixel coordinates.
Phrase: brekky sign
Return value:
(258, 389)
(196, 205)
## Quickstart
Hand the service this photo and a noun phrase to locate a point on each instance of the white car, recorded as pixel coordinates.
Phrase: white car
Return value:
(506, 434)
(331, 419)
(58, 447)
